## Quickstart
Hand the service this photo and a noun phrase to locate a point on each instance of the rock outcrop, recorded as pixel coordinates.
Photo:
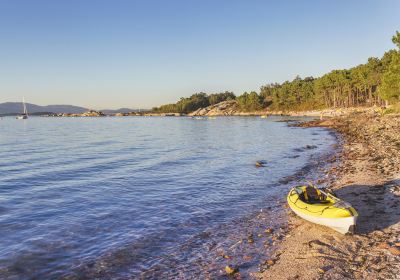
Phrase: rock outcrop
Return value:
(225, 108)
(92, 113)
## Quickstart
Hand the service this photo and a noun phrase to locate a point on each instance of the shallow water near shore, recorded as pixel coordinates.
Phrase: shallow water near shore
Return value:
(140, 197)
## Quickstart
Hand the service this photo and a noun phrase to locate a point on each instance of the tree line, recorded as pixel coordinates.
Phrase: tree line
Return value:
(376, 82)
(194, 102)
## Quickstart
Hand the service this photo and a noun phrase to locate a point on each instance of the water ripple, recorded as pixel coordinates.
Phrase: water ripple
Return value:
(138, 197)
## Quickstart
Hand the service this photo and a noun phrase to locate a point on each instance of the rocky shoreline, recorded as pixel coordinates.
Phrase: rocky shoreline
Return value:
(227, 108)
(231, 108)
(366, 173)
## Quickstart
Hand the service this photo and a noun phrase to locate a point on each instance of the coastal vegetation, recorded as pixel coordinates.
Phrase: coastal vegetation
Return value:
(194, 102)
(377, 82)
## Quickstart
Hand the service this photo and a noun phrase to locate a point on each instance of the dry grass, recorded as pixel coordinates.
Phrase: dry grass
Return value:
(393, 109)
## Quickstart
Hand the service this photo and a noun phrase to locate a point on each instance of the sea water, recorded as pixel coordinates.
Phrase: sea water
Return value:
(143, 197)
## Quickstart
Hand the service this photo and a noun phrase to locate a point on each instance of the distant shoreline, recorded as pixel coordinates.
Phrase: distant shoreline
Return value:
(323, 113)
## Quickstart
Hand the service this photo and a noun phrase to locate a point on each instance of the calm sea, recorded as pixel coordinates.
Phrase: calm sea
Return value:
(144, 197)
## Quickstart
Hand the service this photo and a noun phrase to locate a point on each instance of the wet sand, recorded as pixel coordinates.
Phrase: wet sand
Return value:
(366, 173)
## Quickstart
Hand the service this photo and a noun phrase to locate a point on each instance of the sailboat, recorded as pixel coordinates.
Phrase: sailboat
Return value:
(24, 116)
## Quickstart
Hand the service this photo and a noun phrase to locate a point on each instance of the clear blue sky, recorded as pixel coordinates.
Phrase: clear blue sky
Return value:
(110, 54)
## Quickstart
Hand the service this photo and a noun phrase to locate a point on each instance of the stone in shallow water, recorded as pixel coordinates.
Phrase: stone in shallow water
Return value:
(260, 163)
(230, 270)
(269, 230)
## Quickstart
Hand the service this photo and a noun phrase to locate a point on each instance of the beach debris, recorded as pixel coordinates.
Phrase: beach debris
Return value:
(230, 270)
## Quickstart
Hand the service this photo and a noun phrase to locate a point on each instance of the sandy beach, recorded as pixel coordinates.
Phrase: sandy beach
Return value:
(365, 173)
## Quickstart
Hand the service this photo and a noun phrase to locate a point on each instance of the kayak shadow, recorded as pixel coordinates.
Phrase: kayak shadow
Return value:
(378, 206)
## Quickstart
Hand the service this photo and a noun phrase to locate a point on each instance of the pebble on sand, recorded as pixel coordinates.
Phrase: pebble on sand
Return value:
(270, 262)
(394, 251)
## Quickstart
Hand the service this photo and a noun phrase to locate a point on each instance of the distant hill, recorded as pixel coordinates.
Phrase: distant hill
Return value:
(12, 108)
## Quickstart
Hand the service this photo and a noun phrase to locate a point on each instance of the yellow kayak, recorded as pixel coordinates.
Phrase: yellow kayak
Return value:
(320, 207)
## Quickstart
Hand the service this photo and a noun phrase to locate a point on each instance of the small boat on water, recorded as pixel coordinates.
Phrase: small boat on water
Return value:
(24, 115)
(263, 116)
(323, 208)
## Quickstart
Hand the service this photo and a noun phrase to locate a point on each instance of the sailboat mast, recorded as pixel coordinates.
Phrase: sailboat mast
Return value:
(23, 102)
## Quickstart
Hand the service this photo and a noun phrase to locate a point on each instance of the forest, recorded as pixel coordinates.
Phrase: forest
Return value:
(377, 82)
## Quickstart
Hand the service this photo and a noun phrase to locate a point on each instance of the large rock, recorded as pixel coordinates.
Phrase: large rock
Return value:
(92, 113)
(225, 108)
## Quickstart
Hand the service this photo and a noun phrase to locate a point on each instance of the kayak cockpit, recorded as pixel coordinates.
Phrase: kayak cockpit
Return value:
(312, 195)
